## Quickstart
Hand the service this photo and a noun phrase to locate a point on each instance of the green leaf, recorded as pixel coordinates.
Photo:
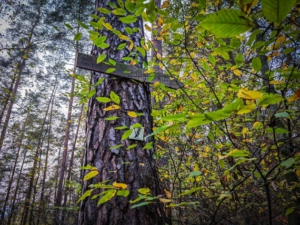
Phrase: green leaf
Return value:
(111, 118)
(239, 59)
(112, 62)
(195, 173)
(109, 195)
(288, 163)
(129, 6)
(114, 97)
(126, 134)
(121, 128)
(101, 58)
(99, 81)
(68, 26)
(269, 99)
(136, 125)
(282, 114)
(217, 115)
(110, 70)
(276, 10)
(123, 193)
(131, 146)
(115, 147)
(163, 128)
(128, 30)
(198, 120)
(91, 175)
(144, 191)
(141, 50)
(149, 145)
(103, 99)
(140, 204)
(91, 93)
(227, 23)
(82, 24)
(175, 117)
(119, 12)
(121, 46)
(289, 211)
(103, 10)
(103, 45)
(256, 64)
(77, 36)
(85, 195)
(191, 191)
(128, 19)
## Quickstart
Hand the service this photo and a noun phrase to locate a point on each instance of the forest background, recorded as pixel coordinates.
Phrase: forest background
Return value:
(227, 142)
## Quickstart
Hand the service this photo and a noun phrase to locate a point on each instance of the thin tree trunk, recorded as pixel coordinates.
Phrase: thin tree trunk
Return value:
(20, 69)
(42, 204)
(65, 150)
(140, 170)
(16, 189)
(5, 104)
(71, 161)
(13, 171)
(34, 167)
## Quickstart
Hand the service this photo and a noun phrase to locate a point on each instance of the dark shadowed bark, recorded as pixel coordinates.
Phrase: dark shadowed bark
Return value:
(135, 167)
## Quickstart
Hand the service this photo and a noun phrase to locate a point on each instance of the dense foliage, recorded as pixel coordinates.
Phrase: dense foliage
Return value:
(227, 142)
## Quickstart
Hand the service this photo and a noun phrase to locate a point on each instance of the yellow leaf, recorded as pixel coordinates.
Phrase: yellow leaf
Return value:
(160, 21)
(131, 45)
(107, 26)
(148, 28)
(149, 71)
(233, 67)
(158, 56)
(161, 65)
(237, 72)
(298, 173)
(120, 185)
(276, 82)
(156, 83)
(132, 62)
(168, 194)
(295, 96)
(173, 61)
(193, 54)
(112, 107)
(90, 175)
(249, 95)
(132, 114)
(280, 39)
(123, 37)
(165, 4)
(164, 200)
(246, 109)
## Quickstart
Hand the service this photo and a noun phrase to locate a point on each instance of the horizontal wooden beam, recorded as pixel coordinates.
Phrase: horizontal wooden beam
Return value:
(89, 62)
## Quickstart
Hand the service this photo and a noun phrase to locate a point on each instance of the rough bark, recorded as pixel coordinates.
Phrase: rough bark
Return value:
(135, 167)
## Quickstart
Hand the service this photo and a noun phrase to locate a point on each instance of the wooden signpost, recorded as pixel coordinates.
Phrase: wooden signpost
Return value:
(89, 62)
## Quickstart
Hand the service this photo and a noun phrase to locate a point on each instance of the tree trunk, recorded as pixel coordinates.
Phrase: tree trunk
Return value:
(42, 204)
(135, 167)
(13, 172)
(65, 150)
(20, 69)
(71, 162)
(16, 189)
(34, 167)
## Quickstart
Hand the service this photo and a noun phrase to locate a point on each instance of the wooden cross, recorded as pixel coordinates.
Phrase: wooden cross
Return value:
(89, 62)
